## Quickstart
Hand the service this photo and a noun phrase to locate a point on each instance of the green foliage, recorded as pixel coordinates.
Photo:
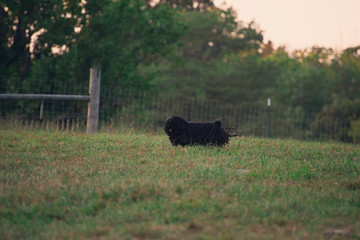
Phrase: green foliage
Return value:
(307, 87)
(202, 62)
(114, 35)
(354, 131)
(345, 102)
(68, 185)
(126, 34)
(188, 5)
(342, 116)
(347, 68)
(37, 24)
(214, 33)
(241, 80)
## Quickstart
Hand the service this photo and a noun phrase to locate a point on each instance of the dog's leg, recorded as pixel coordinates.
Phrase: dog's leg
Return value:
(174, 141)
(183, 140)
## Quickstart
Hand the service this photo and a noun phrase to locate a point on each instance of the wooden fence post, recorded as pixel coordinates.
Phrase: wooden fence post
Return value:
(93, 106)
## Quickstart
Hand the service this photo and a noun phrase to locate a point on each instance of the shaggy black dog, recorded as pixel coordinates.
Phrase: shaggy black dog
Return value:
(183, 133)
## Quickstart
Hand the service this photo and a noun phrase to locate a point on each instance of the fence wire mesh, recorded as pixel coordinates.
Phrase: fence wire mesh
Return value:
(148, 111)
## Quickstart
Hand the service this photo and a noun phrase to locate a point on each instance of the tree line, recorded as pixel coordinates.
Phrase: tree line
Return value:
(177, 47)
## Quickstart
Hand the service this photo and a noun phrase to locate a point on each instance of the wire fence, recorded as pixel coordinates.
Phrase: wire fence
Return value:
(148, 111)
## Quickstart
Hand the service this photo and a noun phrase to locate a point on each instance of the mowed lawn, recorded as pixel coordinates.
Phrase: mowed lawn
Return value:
(56, 185)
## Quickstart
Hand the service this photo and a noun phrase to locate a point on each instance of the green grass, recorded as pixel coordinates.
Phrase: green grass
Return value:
(137, 186)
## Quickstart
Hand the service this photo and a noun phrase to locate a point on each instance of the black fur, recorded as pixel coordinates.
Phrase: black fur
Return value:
(183, 133)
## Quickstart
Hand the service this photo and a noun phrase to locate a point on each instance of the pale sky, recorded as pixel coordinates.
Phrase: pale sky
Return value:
(300, 24)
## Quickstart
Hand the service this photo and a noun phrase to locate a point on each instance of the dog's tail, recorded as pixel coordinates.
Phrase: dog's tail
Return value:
(218, 123)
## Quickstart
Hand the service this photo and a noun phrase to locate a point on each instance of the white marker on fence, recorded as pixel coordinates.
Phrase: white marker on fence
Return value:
(268, 102)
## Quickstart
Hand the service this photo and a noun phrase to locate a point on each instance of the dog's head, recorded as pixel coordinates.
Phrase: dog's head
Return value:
(174, 125)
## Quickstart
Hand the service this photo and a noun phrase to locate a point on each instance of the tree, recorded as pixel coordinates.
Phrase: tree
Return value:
(125, 35)
(30, 29)
(45, 42)
(216, 32)
(248, 79)
(211, 37)
(347, 68)
(307, 87)
(344, 109)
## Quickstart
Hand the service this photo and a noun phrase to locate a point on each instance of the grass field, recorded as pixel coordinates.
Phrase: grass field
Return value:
(57, 185)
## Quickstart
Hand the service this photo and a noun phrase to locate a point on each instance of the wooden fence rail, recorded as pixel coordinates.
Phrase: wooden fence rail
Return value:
(54, 97)
(93, 98)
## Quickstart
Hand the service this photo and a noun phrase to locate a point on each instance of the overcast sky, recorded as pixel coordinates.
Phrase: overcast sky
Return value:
(300, 24)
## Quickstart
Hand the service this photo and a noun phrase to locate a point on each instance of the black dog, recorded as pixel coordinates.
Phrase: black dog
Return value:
(183, 133)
